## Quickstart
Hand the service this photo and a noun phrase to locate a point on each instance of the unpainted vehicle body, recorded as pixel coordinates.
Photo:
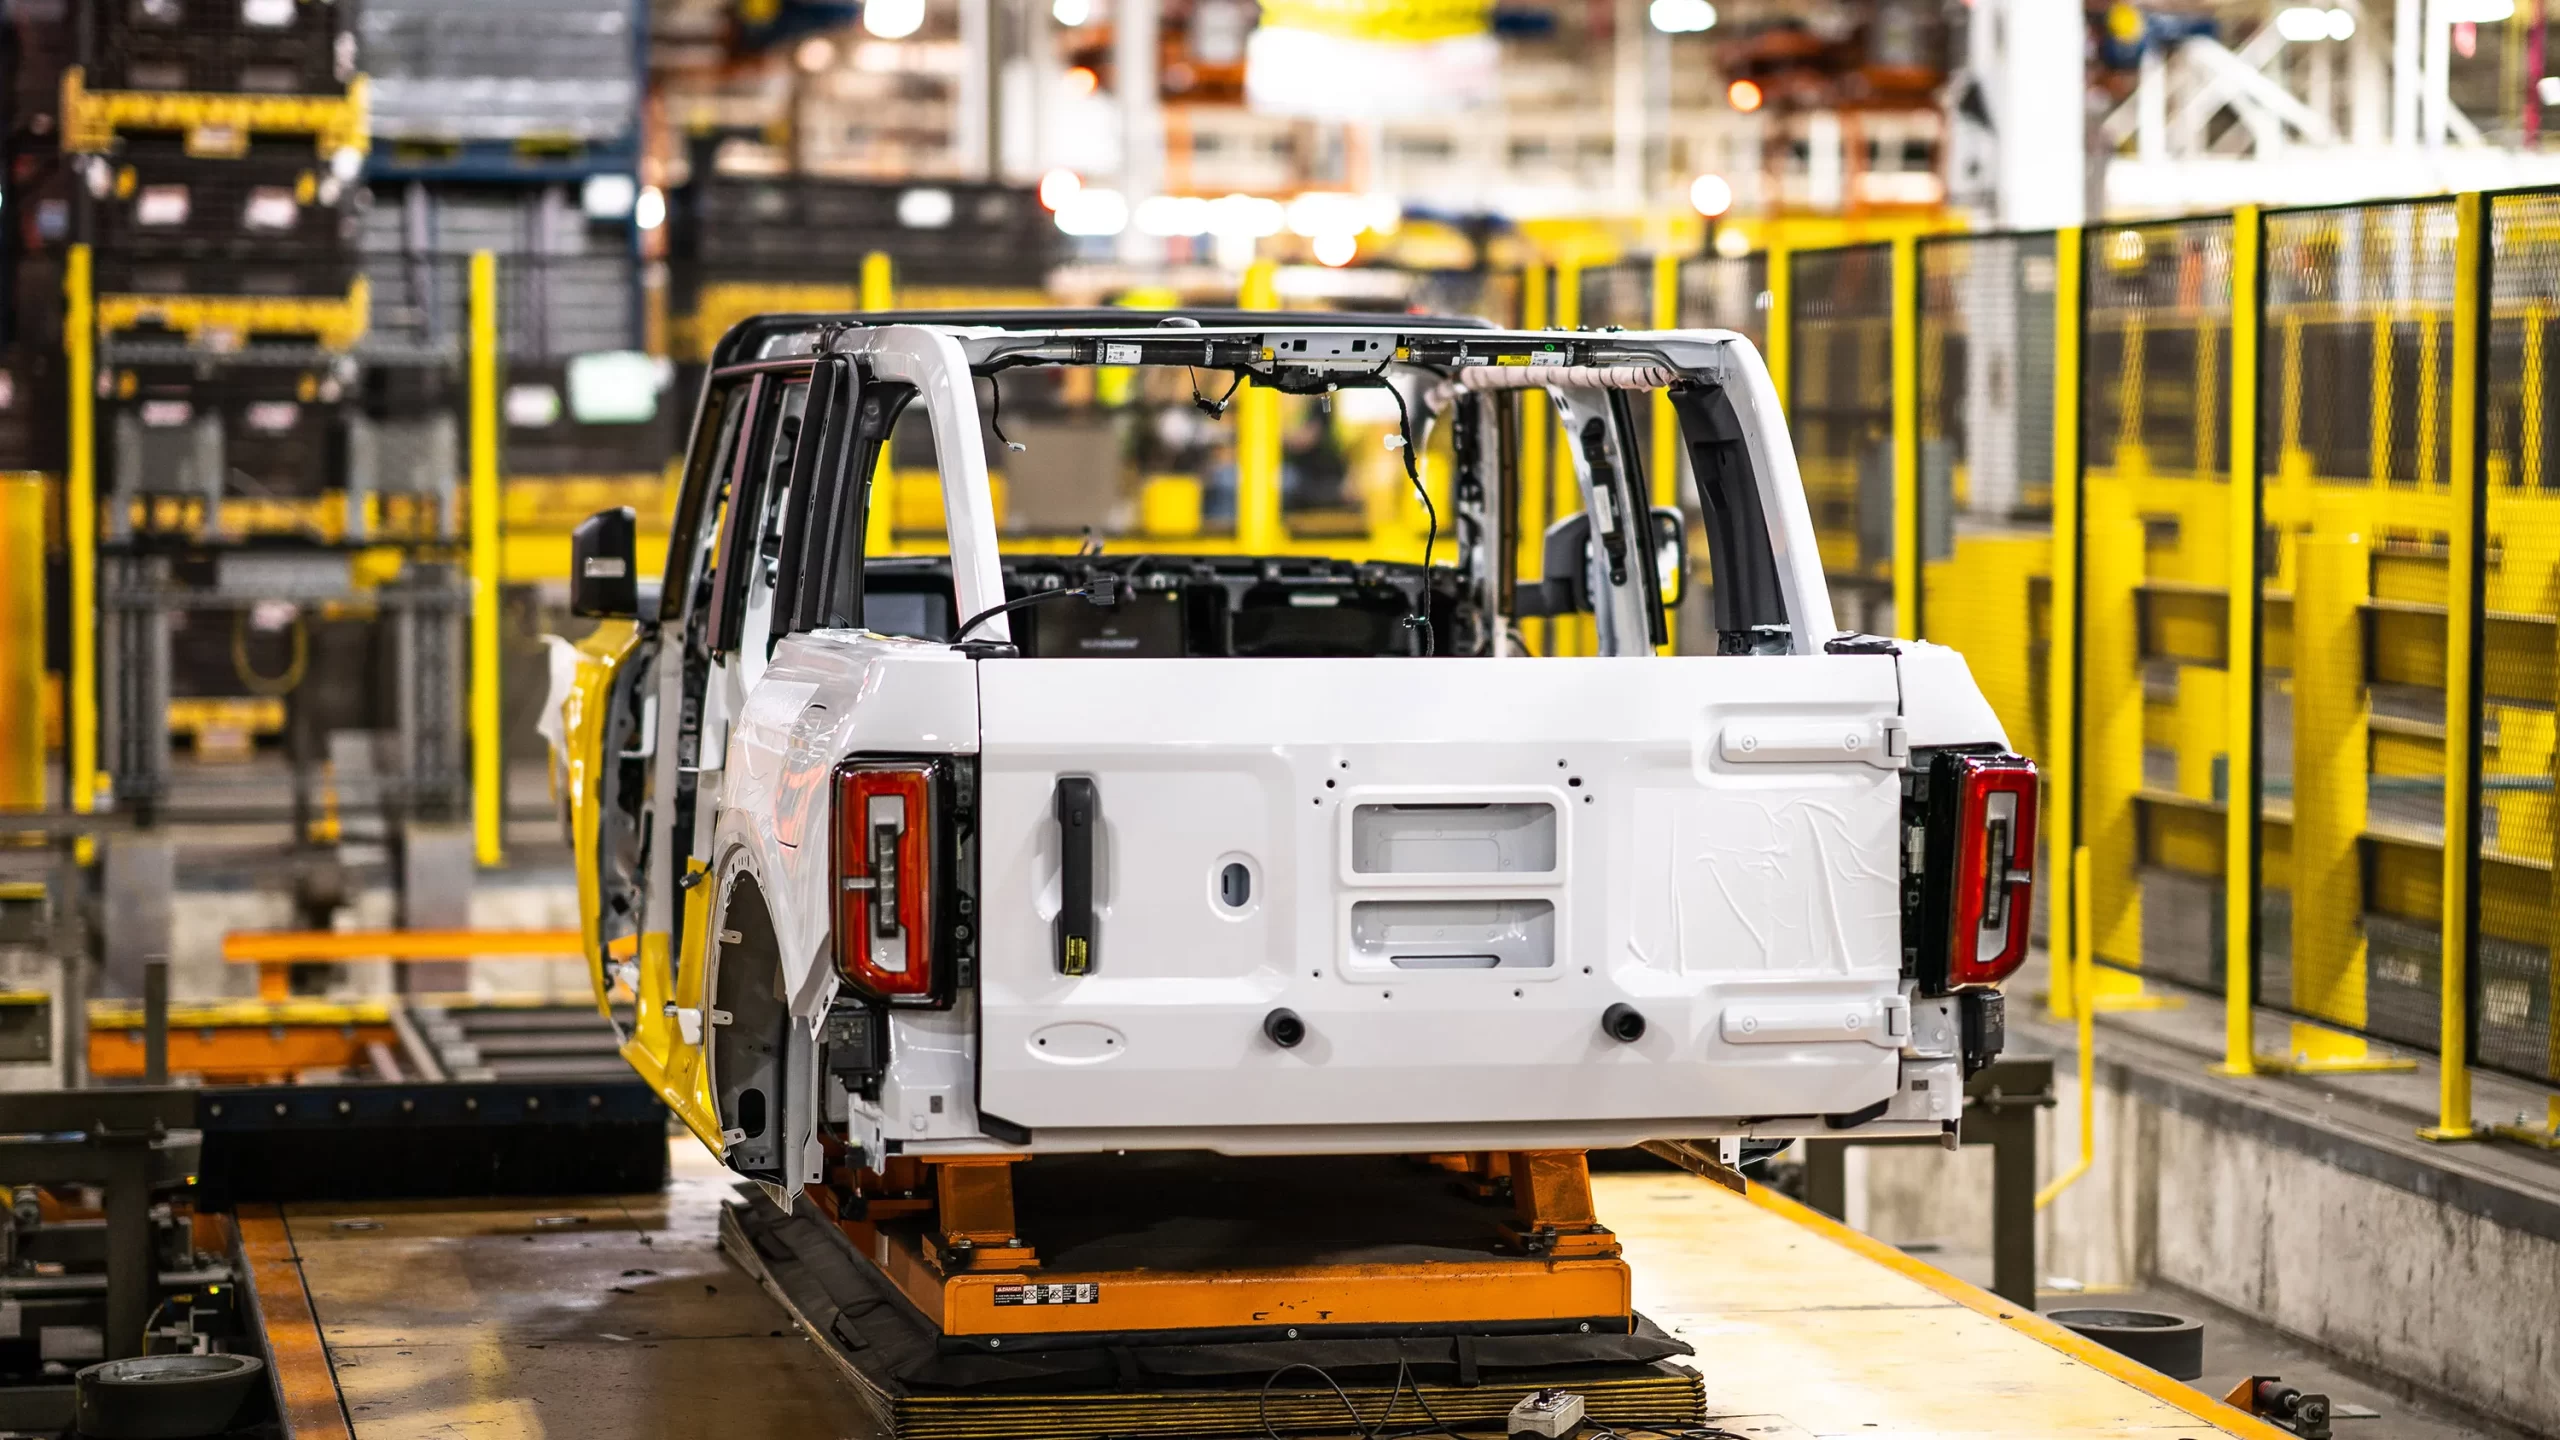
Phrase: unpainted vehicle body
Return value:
(990, 853)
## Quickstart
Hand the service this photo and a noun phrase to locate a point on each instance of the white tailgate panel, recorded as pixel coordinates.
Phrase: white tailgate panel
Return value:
(1464, 982)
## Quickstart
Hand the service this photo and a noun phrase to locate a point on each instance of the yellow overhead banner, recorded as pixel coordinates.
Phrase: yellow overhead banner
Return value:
(1372, 59)
(1394, 21)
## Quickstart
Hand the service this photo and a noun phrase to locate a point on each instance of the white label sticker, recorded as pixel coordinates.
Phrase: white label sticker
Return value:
(270, 207)
(1081, 1293)
(1121, 354)
(161, 205)
(1547, 357)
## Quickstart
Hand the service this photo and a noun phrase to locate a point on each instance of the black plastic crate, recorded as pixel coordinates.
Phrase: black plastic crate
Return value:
(283, 64)
(283, 449)
(404, 392)
(178, 275)
(804, 228)
(283, 429)
(276, 25)
(151, 199)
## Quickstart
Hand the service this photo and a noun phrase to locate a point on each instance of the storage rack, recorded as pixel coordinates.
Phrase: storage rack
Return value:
(272, 533)
(740, 245)
(512, 127)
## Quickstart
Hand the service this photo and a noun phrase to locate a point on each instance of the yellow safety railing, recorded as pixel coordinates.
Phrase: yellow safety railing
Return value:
(80, 526)
(2301, 485)
(488, 744)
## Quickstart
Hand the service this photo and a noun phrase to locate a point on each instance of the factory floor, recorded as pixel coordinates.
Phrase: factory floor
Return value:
(621, 1318)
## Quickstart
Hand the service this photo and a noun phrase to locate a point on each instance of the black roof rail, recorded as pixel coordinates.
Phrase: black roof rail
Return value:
(751, 334)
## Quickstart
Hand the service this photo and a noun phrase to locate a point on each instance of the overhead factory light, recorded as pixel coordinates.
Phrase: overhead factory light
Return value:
(1071, 13)
(1092, 211)
(1711, 195)
(1682, 17)
(1330, 212)
(2547, 89)
(650, 210)
(1058, 187)
(927, 207)
(2476, 12)
(1172, 215)
(1743, 95)
(2305, 24)
(1337, 249)
(608, 196)
(893, 19)
(1247, 217)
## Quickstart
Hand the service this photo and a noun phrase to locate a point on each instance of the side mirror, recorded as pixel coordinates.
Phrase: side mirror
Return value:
(1671, 553)
(604, 580)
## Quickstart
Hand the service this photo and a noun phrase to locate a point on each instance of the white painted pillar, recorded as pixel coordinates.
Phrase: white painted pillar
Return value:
(1626, 104)
(973, 127)
(2043, 116)
(1135, 84)
(2151, 105)
(2408, 24)
(2435, 99)
(2368, 88)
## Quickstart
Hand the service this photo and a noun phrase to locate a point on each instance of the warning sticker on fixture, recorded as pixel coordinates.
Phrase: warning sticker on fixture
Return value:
(1083, 1293)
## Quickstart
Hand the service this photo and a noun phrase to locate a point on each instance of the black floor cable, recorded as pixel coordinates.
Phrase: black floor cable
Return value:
(1366, 1429)
(1377, 1429)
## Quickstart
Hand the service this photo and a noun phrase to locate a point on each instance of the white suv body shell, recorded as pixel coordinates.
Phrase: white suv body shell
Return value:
(1726, 859)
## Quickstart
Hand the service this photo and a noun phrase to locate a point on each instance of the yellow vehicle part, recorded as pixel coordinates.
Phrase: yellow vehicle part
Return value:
(582, 712)
(657, 1048)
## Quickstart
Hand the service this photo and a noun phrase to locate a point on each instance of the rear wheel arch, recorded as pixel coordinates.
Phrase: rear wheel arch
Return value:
(747, 1038)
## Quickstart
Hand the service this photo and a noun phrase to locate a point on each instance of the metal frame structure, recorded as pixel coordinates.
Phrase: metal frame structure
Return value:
(2106, 614)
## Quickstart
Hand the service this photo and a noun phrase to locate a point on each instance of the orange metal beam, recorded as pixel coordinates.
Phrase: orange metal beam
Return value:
(239, 1054)
(272, 947)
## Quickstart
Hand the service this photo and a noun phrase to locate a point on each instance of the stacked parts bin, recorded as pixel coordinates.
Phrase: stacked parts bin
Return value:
(274, 561)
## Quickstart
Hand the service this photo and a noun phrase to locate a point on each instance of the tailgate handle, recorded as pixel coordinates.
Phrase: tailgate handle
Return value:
(1881, 743)
(1075, 807)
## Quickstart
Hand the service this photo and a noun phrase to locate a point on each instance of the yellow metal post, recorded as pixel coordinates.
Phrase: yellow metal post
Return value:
(1781, 329)
(1571, 634)
(1666, 425)
(1530, 506)
(1906, 437)
(1259, 528)
(2062, 656)
(879, 532)
(488, 748)
(2240, 728)
(80, 528)
(2466, 520)
(22, 784)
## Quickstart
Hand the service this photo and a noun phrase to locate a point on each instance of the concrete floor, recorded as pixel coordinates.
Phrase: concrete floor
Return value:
(2236, 1345)
(576, 1319)
(599, 1320)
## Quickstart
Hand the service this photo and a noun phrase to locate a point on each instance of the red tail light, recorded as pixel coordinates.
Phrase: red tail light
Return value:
(1993, 878)
(884, 859)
